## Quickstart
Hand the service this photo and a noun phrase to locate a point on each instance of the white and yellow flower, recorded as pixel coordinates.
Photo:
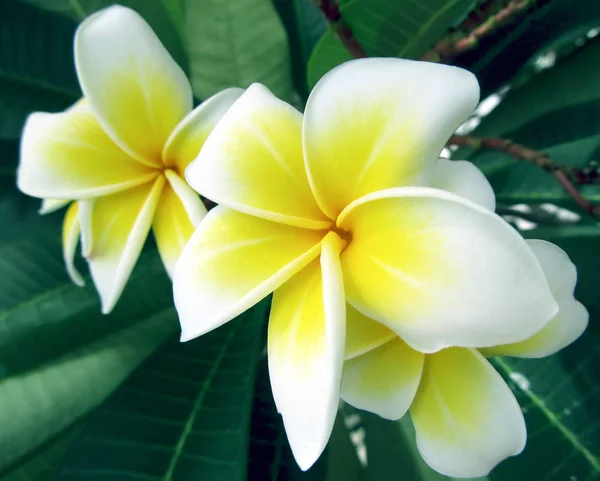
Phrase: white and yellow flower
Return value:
(121, 151)
(466, 418)
(340, 205)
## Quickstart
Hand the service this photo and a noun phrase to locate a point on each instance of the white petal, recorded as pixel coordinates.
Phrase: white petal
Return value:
(118, 225)
(232, 261)
(189, 136)
(252, 162)
(52, 205)
(383, 381)
(572, 317)
(306, 352)
(131, 82)
(378, 123)
(463, 178)
(466, 418)
(70, 238)
(442, 271)
(189, 198)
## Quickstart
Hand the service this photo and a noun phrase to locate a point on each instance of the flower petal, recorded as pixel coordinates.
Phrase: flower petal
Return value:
(232, 261)
(190, 199)
(442, 271)
(52, 205)
(363, 333)
(306, 352)
(383, 381)
(134, 86)
(252, 162)
(70, 238)
(189, 136)
(463, 178)
(572, 317)
(172, 228)
(377, 123)
(68, 156)
(466, 418)
(118, 225)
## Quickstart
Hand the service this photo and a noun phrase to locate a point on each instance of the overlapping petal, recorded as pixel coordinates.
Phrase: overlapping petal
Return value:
(69, 156)
(231, 262)
(466, 418)
(378, 123)
(252, 162)
(52, 205)
(306, 351)
(116, 227)
(384, 380)
(464, 179)
(189, 136)
(441, 271)
(363, 333)
(172, 228)
(572, 317)
(70, 239)
(133, 85)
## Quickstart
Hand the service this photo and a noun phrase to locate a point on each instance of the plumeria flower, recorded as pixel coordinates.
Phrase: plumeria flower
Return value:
(466, 418)
(121, 151)
(337, 206)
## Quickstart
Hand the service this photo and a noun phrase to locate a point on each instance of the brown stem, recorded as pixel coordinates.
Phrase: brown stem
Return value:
(520, 152)
(482, 22)
(333, 15)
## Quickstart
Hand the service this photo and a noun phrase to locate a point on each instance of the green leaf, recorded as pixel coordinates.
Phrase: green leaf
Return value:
(388, 28)
(39, 403)
(184, 414)
(236, 43)
(162, 15)
(305, 25)
(36, 65)
(43, 462)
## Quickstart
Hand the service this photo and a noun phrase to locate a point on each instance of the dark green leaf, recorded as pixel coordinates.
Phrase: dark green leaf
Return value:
(162, 15)
(184, 415)
(36, 64)
(236, 43)
(305, 25)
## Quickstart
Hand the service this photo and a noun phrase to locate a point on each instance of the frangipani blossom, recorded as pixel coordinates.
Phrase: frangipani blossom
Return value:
(466, 418)
(121, 151)
(338, 206)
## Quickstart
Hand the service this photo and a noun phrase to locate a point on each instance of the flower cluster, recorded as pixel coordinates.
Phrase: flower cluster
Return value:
(392, 277)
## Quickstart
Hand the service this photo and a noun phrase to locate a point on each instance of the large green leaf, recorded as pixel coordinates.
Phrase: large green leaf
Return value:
(39, 403)
(184, 415)
(41, 464)
(388, 28)
(160, 14)
(36, 64)
(236, 43)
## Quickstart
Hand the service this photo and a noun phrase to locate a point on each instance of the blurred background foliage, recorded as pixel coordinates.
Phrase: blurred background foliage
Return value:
(90, 397)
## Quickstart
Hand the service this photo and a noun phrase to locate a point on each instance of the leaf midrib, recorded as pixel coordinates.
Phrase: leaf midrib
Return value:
(555, 421)
(198, 403)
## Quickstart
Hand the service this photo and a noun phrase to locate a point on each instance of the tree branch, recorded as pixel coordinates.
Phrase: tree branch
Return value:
(333, 15)
(482, 22)
(520, 152)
